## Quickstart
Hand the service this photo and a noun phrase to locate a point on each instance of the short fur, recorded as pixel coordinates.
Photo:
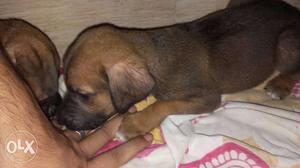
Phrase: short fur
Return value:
(35, 58)
(186, 66)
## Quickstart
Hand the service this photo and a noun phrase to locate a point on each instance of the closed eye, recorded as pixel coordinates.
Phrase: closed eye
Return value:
(81, 93)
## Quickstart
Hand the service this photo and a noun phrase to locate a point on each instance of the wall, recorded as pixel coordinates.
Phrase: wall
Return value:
(62, 20)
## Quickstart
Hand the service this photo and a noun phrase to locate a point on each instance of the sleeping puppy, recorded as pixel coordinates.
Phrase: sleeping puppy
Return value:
(35, 58)
(187, 67)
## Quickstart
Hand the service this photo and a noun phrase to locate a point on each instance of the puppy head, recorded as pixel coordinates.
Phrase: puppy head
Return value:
(35, 58)
(102, 81)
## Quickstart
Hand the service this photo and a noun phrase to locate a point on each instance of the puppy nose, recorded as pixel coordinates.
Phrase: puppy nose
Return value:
(50, 104)
(70, 121)
(78, 120)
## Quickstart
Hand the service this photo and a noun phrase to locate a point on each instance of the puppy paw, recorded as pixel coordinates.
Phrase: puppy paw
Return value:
(133, 125)
(279, 88)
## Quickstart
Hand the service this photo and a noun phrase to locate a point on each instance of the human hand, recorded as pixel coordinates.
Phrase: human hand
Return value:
(86, 149)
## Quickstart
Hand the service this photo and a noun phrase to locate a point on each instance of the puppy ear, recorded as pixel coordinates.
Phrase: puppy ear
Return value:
(24, 57)
(129, 83)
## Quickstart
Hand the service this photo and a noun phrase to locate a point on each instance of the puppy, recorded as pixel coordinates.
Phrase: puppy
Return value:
(35, 58)
(185, 66)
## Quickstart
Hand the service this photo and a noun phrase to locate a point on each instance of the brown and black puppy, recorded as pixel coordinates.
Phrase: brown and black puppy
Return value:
(35, 58)
(185, 66)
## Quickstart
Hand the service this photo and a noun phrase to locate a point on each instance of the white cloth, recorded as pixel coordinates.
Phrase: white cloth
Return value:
(236, 135)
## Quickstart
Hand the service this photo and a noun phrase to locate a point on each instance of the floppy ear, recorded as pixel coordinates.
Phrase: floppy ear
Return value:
(24, 57)
(129, 83)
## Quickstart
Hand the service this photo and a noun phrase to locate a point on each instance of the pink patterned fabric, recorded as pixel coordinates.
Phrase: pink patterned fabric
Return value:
(228, 155)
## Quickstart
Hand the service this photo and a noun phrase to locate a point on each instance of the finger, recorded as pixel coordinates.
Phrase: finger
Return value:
(72, 135)
(121, 155)
(92, 143)
(132, 109)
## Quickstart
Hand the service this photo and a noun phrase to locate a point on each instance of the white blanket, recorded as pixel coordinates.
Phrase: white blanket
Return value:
(239, 135)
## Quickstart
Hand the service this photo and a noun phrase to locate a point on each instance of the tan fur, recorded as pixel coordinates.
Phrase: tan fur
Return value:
(187, 67)
(33, 55)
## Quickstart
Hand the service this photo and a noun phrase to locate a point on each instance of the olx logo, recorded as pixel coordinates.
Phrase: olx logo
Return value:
(21, 146)
(25, 146)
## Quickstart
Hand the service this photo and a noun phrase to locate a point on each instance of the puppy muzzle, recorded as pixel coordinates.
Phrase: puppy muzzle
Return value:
(49, 105)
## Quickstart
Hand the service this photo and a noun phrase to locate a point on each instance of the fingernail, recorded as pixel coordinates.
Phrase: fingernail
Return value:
(132, 109)
(148, 137)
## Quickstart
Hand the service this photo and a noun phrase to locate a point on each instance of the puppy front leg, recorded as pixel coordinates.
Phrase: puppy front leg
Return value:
(139, 123)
